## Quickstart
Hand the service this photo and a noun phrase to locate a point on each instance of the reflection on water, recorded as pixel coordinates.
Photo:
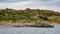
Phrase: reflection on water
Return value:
(30, 30)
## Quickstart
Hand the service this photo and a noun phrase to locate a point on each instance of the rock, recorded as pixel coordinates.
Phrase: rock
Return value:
(34, 25)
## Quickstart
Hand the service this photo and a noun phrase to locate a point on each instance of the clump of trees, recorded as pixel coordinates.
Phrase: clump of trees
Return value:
(28, 15)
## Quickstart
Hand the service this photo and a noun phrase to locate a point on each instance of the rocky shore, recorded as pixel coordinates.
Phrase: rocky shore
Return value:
(33, 25)
(29, 25)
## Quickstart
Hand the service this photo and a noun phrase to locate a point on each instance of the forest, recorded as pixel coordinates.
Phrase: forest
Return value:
(28, 16)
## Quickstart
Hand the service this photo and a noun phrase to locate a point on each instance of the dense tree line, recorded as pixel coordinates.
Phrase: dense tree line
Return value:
(29, 15)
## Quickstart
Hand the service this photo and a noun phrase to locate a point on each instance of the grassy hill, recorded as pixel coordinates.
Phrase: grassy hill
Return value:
(28, 16)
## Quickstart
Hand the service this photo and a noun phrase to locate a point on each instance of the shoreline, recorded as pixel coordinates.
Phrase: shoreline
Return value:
(27, 25)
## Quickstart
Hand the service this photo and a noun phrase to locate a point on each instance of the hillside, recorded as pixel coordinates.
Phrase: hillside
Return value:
(28, 16)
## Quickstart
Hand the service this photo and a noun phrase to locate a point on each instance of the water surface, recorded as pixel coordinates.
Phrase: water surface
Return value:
(30, 30)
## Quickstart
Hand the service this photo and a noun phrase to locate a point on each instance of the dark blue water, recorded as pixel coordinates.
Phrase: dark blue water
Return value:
(30, 30)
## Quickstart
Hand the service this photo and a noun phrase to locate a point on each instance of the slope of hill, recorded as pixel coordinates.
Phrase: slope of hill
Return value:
(28, 16)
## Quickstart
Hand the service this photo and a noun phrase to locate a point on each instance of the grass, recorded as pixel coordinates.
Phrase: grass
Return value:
(12, 16)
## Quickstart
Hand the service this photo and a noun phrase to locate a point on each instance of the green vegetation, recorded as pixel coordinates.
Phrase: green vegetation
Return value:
(28, 16)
